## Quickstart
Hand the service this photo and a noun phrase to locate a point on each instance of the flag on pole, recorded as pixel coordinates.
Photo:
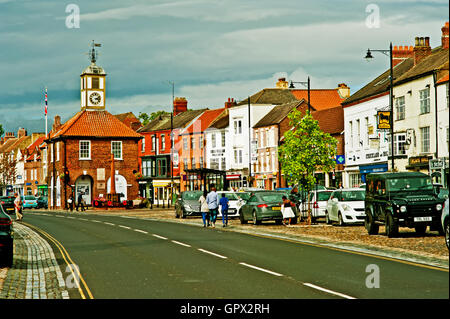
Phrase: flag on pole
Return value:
(46, 104)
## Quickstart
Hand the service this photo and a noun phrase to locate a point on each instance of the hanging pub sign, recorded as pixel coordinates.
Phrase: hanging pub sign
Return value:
(384, 120)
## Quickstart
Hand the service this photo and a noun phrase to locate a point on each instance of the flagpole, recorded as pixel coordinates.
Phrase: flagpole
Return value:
(46, 132)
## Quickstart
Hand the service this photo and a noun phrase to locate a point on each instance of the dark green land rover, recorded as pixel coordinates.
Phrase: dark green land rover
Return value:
(405, 199)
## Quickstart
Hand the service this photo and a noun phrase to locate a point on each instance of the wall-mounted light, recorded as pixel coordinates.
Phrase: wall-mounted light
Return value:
(427, 86)
(410, 92)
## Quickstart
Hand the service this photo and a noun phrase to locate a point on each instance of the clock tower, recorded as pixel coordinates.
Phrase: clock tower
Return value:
(93, 83)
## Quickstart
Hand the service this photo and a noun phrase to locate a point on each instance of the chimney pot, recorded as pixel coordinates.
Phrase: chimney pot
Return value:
(444, 38)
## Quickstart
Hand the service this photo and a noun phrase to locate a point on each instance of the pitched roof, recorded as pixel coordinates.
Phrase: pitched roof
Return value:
(443, 79)
(435, 61)
(380, 84)
(128, 118)
(94, 124)
(7, 144)
(223, 121)
(19, 143)
(277, 114)
(330, 120)
(320, 98)
(270, 96)
(203, 121)
(179, 121)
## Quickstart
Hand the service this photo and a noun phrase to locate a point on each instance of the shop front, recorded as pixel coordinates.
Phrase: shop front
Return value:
(439, 169)
(373, 168)
(203, 178)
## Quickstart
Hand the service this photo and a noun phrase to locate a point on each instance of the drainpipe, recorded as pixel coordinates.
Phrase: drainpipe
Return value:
(436, 113)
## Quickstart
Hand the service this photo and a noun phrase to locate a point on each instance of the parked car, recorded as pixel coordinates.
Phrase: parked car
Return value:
(445, 221)
(187, 204)
(6, 239)
(29, 201)
(8, 204)
(318, 201)
(346, 206)
(262, 206)
(42, 202)
(234, 205)
(404, 199)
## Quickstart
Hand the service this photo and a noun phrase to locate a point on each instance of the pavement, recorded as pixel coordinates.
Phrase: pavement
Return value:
(36, 274)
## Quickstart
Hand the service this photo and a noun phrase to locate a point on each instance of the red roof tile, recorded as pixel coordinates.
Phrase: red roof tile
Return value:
(330, 120)
(95, 124)
(203, 122)
(320, 99)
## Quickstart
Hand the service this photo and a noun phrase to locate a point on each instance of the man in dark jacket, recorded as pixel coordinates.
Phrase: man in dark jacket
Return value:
(80, 201)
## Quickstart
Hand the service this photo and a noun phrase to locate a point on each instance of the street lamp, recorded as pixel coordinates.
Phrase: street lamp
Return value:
(308, 85)
(388, 53)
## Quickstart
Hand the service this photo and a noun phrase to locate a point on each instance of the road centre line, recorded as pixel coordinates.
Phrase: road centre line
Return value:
(141, 231)
(262, 269)
(122, 226)
(328, 291)
(179, 243)
(160, 237)
(211, 253)
(109, 223)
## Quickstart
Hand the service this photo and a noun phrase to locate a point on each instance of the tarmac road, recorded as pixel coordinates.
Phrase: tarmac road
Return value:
(122, 257)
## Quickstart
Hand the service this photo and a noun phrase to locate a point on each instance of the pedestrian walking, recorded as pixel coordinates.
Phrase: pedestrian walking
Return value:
(212, 199)
(18, 207)
(224, 203)
(70, 202)
(286, 210)
(204, 208)
(80, 201)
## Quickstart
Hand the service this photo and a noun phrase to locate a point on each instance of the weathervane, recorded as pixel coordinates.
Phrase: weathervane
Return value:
(93, 54)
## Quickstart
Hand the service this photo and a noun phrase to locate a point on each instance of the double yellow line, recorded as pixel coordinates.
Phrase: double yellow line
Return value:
(74, 270)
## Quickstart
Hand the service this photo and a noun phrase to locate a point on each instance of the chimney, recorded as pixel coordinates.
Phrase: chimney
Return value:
(444, 38)
(21, 132)
(343, 90)
(401, 53)
(179, 105)
(421, 49)
(57, 123)
(230, 103)
(282, 83)
(8, 135)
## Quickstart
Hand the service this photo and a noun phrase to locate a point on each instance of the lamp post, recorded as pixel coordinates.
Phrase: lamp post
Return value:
(388, 53)
(308, 85)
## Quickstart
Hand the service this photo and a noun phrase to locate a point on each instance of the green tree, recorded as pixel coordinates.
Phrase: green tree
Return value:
(1, 130)
(306, 149)
(145, 118)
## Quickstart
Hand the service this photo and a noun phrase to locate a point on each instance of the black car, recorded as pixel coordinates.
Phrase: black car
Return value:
(7, 202)
(405, 199)
(6, 239)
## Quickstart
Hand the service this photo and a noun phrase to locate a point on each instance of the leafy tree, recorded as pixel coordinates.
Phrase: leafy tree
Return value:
(2, 131)
(145, 118)
(305, 150)
(8, 164)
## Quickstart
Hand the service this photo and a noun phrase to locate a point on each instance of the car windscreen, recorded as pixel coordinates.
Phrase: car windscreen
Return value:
(244, 196)
(191, 195)
(409, 184)
(272, 197)
(349, 196)
(323, 196)
(230, 196)
(30, 198)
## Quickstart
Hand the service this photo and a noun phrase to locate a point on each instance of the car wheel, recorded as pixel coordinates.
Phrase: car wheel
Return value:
(241, 218)
(327, 219)
(370, 225)
(391, 226)
(183, 214)
(176, 213)
(447, 230)
(420, 229)
(278, 221)
(255, 219)
(340, 220)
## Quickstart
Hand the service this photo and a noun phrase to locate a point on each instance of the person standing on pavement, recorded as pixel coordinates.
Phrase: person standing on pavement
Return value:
(80, 201)
(70, 202)
(204, 208)
(287, 211)
(223, 202)
(212, 199)
(18, 207)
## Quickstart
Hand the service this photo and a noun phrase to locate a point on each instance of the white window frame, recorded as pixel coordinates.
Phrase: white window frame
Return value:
(425, 142)
(400, 108)
(121, 150)
(424, 101)
(57, 151)
(163, 142)
(80, 150)
(143, 145)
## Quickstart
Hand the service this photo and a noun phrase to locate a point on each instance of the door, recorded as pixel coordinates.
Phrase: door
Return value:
(83, 185)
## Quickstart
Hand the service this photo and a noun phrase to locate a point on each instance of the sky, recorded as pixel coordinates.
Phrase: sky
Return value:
(210, 49)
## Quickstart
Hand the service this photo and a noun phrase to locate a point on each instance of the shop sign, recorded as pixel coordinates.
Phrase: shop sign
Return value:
(384, 120)
(418, 160)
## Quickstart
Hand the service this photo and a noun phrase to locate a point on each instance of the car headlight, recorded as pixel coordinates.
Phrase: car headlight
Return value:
(187, 207)
(403, 209)
(438, 206)
(346, 207)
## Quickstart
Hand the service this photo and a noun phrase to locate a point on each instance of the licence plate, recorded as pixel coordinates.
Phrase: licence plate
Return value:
(10, 209)
(423, 219)
(276, 208)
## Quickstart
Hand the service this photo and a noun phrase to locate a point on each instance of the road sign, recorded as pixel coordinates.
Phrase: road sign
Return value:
(340, 159)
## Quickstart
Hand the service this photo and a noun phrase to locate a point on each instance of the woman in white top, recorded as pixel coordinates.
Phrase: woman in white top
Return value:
(204, 208)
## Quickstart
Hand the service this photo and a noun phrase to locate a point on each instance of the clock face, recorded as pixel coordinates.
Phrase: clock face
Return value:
(95, 98)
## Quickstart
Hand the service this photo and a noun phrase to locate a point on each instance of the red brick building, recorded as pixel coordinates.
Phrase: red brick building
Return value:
(79, 151)
(33, 168)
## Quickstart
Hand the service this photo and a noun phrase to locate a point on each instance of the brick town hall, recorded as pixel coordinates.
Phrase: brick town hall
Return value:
(79, 151)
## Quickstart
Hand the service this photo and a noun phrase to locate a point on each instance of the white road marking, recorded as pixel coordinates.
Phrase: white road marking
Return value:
(95, 221)
(126, 227)
(109, 224)
(71, 217)
(160, 237)
(211, 253)
(262, 269)
(141, 231)
(86, 220)
(328, 291)
(179, 243)
(60, 216)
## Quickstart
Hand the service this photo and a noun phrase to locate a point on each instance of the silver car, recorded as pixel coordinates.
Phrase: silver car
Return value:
(346, 206)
